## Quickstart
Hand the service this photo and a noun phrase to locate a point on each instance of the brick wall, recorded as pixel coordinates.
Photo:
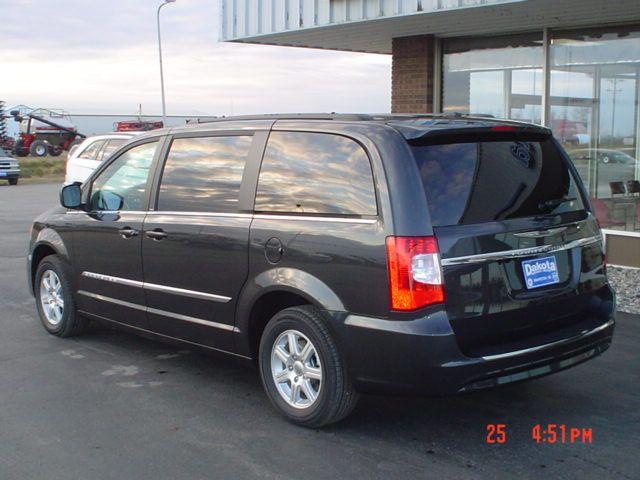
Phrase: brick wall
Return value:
(412, 74)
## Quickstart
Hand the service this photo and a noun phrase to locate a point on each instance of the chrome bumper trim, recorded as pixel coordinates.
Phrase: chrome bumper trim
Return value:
(558, 343)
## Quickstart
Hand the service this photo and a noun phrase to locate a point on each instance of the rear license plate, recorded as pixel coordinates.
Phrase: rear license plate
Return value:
(540, 272)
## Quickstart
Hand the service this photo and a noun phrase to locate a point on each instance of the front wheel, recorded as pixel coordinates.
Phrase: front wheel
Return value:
(302, 371)
(39, 148)
(13, 181)
(54, 298)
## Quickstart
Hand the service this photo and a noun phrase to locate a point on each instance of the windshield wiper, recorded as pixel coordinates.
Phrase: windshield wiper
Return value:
(554, 202)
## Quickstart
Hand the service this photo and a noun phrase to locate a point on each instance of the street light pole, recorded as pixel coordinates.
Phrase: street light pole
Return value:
(164, 108)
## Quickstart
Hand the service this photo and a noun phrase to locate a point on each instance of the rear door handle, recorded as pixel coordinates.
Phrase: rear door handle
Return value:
(128, 232)
(157, 234)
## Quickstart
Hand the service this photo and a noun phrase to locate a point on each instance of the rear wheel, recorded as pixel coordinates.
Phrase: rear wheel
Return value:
(302, 370)
(13, 181)
(39, 148)
(55, 150)
(54, 298)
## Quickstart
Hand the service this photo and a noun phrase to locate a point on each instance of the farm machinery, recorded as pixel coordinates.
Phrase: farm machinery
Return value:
(44, 132)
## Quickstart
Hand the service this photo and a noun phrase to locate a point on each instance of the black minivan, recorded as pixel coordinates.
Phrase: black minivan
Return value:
(342, 254)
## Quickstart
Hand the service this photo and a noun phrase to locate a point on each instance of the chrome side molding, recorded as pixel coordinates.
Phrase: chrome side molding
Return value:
(519, 252)
(159, 288)
(157, 311)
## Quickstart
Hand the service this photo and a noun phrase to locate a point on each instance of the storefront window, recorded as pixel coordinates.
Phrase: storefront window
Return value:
(501, 77)
(594, 112)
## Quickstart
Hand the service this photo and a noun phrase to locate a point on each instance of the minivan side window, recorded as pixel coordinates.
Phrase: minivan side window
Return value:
(92, 150)
(122, 185)
(317, 173)
(203, 174)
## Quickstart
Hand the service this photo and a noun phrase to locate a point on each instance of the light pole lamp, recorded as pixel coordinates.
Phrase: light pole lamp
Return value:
(164, 108)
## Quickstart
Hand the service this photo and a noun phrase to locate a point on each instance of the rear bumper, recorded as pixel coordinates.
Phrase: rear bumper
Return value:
(422, 356)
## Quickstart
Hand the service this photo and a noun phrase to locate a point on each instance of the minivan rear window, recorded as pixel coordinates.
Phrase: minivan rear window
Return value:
(479, 182)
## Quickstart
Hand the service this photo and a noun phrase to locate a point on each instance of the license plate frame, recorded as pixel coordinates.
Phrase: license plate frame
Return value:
(540, 272)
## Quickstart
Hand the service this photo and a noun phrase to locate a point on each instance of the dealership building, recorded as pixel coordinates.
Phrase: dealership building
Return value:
(572, 65)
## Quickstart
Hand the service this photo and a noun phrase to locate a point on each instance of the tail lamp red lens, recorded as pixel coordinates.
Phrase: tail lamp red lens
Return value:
(415, 277)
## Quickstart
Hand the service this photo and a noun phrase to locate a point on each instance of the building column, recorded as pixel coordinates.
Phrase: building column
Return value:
(412, 70)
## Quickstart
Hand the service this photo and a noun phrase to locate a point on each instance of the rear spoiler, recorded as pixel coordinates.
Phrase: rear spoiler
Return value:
(474, 133)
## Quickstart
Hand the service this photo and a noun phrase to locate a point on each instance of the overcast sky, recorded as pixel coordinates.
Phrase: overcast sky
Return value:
(90, 56)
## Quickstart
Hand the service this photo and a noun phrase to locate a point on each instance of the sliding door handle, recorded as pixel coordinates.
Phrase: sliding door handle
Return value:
(156, 234)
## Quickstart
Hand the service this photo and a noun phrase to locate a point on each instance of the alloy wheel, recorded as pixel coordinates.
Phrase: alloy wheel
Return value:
(296, 369)
(51, 297)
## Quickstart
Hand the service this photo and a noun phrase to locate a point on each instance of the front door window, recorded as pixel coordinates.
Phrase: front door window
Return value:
(122, 185)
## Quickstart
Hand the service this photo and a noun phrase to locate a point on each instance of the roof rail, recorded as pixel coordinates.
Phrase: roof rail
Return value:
(290, 116)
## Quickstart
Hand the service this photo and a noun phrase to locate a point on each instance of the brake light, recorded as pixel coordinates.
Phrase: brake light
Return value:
(503, 128)
(415, 278)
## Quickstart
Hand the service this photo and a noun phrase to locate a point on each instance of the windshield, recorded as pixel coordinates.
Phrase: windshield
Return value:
(491, 181)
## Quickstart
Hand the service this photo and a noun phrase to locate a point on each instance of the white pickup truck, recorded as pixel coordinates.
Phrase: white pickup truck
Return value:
(9, 168)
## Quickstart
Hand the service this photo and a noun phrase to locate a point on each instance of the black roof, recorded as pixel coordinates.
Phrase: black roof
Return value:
(411, 126)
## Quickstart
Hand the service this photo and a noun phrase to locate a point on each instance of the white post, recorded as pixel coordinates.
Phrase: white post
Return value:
(164, 108)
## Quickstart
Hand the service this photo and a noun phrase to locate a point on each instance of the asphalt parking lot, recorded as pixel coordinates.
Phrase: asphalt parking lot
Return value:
(109, 405)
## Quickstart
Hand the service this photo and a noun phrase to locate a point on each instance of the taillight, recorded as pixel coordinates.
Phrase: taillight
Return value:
(415, 278)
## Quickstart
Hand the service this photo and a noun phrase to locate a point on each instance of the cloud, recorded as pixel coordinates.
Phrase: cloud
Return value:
(101, 57)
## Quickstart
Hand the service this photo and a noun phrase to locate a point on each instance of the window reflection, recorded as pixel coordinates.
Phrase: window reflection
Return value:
(595, 83)
(490, 181)
(315, 173)
(204, 174)
(122, 185)
(501, 77)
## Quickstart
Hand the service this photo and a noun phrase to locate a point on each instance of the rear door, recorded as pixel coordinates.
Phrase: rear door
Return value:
(195, 241)
(521, 254)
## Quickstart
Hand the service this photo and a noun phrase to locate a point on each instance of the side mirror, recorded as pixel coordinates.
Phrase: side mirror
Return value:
(71, 196)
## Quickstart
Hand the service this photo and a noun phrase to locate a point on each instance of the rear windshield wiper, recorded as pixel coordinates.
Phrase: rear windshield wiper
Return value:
(554, 202)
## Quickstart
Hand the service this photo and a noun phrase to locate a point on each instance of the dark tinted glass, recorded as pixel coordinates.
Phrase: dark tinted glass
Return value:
(315, 173)
(491, 181)
(203, 174)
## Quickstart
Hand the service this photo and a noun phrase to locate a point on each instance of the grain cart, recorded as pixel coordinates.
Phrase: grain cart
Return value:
(44, 132)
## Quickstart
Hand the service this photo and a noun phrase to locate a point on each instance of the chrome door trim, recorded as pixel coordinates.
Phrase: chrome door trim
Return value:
(157, 311)
(186, 293)
(315, 219)
(109, 278)
(525, 351)
(519, 252)
(159, 288)
(200, 214)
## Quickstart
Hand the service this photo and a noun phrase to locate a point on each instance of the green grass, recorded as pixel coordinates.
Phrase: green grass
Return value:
(50, 168)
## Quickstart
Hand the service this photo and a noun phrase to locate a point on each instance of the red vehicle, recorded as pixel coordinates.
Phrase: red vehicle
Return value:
(136, 126)
(43, 132)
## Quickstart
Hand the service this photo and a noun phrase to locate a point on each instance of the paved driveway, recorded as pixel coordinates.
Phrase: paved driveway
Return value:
(110, 405)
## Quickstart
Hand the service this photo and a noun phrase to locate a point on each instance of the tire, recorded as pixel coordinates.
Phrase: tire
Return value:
(335, 398)
(55, 150)
(19, 150)
(39, 148)
(70, 323)
(13, 181)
